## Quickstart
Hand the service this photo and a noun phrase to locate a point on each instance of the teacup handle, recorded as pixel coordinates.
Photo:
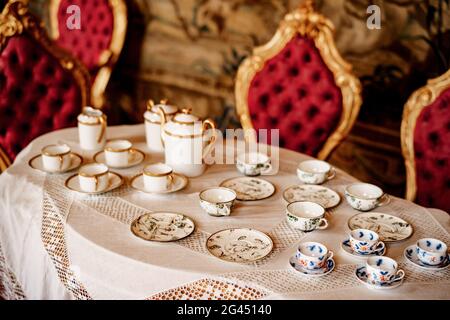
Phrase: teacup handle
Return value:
(332, 174)
(169, 181)
(96, 182)
(399, 275)
(382, 246)
(267, 168)
(61, 161)
(213, 138)
(133, 153)
(330, 255)
(385, 199)
(323, 224)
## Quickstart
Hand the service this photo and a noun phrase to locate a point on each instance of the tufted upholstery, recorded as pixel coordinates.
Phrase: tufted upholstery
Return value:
(432, 153)
(36, 94)
(296, 93)
(95, 35)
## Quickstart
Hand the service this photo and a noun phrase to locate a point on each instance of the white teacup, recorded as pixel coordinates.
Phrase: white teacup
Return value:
(253, 164)
(431, 251)
(315, 171)
(117, 153)
(56, 157)
(157, 177)
(365, 196)
(93, 177)
(306, 216)
(313, 255)
(383, 270)
(217, 201)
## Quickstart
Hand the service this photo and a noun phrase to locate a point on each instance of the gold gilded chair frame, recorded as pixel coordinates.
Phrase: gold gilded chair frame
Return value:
(108, 57)
(420, 99)
(308, 23)
(16, 20)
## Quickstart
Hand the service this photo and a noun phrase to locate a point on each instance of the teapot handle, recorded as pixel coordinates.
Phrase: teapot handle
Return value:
(162, 115)
(102, 121)
(213, 138)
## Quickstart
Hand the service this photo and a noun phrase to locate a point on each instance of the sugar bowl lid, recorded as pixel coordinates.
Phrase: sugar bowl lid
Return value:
(152, 114)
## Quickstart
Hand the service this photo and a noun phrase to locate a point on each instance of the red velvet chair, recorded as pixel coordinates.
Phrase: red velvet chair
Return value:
(97, 43)
(299, 84)
(41, 88)
(425, 135)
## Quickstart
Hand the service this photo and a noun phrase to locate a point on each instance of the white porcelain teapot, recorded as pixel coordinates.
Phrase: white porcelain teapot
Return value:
(184, 145)
(153, 123)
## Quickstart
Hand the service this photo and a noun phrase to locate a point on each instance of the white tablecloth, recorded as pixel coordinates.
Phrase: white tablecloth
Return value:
(57, 244)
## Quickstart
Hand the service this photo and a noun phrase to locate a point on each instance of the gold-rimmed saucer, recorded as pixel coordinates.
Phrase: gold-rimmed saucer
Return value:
(179, 182)
(115, 180)
(136, 157)
(75, 162)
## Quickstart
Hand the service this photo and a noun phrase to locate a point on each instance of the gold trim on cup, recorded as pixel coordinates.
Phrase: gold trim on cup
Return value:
(54, 154)
(118, 149)
(150, 174)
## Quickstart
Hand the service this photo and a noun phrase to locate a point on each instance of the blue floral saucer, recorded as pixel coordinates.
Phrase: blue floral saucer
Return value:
(345, 245)
(361, 274)
(316, 272)
(411, 256)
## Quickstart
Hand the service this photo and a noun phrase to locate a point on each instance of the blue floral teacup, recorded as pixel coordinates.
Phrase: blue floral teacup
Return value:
(431, 251)
(364, 241)
(313, 255)
(383, 270)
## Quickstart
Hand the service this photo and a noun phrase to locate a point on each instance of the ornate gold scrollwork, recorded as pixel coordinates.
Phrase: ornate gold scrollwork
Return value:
(306, 22)
(420, 99)
(109, 56)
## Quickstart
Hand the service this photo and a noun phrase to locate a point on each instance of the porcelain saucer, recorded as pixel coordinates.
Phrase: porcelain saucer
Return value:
(361, 274)
(135, 157)
(324, 196)
(115, 181)
(312, 273)
(249, 188)
(75, 161)
(242, 245)
(347, 248)
(389, 228)
(411, 256)
(162, 226)
(179, 182)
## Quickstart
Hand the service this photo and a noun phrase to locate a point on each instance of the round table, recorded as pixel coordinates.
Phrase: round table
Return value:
(82, 246)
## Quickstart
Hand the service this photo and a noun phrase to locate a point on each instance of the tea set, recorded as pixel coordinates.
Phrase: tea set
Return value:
(181, 136)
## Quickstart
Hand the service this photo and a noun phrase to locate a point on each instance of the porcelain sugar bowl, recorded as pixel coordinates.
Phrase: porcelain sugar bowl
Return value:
(187, 141)
(153, 123)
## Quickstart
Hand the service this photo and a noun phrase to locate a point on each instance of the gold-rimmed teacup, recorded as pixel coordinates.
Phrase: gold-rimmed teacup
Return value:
(56, 157)
(117, 153)
(158, 177)
(93, 177)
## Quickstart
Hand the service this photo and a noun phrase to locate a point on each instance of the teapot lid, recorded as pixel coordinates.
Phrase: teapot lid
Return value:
(184, 123)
